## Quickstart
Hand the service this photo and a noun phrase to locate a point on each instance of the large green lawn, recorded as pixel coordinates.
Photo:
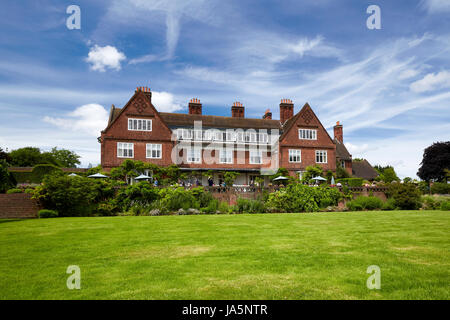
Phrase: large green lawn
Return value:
(270, 256)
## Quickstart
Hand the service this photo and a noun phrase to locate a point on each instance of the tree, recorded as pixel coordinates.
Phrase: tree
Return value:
(31, 156)
(6, 179)
(311, 172)
(26, 157)
(341, 172)
(436, 159)
(65, 158)
(386, 174)
(4, 156)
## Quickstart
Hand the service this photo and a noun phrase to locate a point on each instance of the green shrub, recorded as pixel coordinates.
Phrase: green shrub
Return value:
(365, 203)
(14, 190)
(389, 205)
(203, 197)
(445, 205)
(29, 190)
(301, 198)
(440, 188)
(351, 182)
(173, 199)
(212, 207)
(45, 213)
(142, 193)
(406, 196)
(71, 197)
(432, 202)
(250, 206)
(354, 206)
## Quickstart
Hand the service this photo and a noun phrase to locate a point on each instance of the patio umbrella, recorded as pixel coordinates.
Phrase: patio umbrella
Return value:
(73, 175)
(318, 178)
(332, 181)
(280, 178)
(142, 177)
(97, 175)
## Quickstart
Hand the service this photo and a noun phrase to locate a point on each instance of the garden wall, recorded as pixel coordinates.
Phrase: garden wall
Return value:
(18, 205)
(230, 195)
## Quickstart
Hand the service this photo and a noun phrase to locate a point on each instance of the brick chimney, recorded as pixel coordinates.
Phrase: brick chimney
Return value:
(286, 110)
(195, 107)
(237, 110)
(146, 91)
(338, 132)
(267, 115)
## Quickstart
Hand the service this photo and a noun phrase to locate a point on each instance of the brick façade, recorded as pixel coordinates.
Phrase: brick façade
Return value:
(140, 106)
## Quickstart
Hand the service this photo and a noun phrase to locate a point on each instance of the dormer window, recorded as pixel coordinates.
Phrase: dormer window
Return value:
(139, 124)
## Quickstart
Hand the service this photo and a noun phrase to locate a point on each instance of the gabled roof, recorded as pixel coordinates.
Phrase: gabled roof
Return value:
(363, 169)
(114, 112)
(290, 122)
(341, 151)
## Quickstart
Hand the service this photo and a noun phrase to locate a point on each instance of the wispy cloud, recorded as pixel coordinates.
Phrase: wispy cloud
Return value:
(431, 82)
(436, 6)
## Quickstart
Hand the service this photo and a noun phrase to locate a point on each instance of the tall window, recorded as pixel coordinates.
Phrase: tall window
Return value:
(307, 134)
(295, 155)
(255, 157)
(194, 155)
(139, 125)
(226, 156)
(125, 150)
(154, 151)
(321, 156)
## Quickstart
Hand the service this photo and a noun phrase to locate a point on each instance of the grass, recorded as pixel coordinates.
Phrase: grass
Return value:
(271, 256)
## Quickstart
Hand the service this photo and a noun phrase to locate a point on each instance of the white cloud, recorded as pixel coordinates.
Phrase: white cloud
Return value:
(165, 102)
(436, 6)
(356, 150)
(431, 82)
(107, 57)
(89, 118)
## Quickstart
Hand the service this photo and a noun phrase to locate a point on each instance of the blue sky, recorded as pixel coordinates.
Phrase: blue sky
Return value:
(390, 88)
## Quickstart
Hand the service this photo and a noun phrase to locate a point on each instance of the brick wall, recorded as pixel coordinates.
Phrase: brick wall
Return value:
(18, 205)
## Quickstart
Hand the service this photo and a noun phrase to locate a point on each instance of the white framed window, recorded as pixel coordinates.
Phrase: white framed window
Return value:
(255, 157)
(307, 134)
(321, 156)
(263, 137)
(198, 135)
(194, 155)
(207, 134)
(343, 164)
(187, 134)
(250, 137)
(226, 156)
(139, 124)
(240, 137)
(295, 155)
(218, 135)
(154, 151)
(125, 150)
(230, 135)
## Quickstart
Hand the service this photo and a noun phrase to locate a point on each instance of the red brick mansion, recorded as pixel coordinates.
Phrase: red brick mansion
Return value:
(198, 142)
